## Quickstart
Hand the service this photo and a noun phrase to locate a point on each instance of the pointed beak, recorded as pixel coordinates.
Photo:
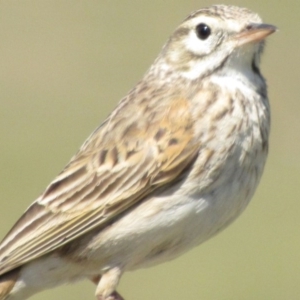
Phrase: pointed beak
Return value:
(254, 33)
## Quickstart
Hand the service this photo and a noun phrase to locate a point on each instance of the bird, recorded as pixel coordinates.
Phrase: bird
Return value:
(174, 163)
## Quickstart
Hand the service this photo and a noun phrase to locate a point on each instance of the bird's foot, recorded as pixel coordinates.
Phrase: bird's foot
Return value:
(113, 296)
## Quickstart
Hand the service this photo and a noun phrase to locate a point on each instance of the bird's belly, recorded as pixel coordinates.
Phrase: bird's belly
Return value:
(165, 226)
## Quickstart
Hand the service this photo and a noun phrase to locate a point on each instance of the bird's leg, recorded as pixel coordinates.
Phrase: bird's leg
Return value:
(107, 284)
(114, 296)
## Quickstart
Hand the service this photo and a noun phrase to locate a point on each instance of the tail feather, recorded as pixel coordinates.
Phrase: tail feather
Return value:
(7, 282)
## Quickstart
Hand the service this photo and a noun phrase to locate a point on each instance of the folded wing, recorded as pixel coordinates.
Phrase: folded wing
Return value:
(107, 177)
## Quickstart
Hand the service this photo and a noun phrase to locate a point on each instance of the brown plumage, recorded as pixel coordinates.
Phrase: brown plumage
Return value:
(175, 162)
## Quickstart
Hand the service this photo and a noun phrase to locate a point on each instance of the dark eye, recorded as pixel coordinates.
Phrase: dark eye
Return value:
(203, 31)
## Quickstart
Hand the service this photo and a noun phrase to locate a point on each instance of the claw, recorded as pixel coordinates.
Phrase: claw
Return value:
(113, 296)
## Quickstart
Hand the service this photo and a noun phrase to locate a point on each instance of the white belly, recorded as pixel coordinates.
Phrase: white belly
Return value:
(161, 228)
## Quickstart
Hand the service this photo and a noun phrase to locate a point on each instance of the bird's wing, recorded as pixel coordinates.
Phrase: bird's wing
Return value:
(115, 169)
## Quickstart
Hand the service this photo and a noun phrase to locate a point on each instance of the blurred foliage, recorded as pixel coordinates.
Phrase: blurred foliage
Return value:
(65, 64)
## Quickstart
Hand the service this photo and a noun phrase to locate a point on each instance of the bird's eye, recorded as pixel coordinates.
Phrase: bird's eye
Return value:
(203, 31)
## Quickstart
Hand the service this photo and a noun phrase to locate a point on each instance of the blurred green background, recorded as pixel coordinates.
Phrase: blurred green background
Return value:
(63, 67)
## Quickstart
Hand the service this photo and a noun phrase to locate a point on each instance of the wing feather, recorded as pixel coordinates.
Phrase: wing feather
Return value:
(103, 180)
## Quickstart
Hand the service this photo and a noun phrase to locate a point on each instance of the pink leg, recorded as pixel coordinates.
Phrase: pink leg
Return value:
(106, 285)
(113, 296)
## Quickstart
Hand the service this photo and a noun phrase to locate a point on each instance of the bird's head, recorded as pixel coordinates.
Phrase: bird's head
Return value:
(213, 37)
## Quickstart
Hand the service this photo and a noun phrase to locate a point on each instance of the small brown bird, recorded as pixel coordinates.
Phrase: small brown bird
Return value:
(176, 162)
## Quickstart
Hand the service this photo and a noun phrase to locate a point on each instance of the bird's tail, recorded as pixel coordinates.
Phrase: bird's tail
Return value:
(7, 282)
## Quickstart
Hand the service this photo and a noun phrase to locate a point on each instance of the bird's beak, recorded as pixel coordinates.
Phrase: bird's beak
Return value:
(254, 33)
